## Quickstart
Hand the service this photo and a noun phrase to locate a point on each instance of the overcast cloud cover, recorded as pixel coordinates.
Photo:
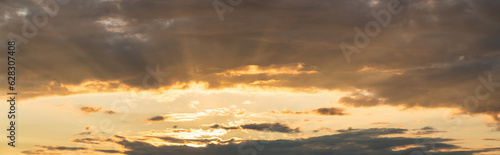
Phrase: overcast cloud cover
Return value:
(439, 47)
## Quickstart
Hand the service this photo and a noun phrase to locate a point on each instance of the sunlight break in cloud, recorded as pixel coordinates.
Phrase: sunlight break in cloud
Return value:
(268, 70)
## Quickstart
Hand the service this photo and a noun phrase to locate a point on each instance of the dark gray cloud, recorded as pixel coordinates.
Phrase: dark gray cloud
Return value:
(218, 126)
(156, 118)
(329, 111)
(272, 127)
(427, 130)
(62, 148)
(33, 152)
(108, 151)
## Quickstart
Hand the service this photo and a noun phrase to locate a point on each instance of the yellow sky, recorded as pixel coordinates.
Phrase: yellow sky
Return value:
(58, 120)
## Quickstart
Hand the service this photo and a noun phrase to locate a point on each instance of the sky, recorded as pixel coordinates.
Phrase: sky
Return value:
(249, 77)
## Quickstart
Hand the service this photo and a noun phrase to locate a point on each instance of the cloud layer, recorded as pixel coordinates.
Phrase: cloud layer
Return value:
(350, 141)
(425, 57)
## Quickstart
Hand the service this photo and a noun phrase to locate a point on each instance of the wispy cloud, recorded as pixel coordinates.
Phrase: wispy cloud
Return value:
(332, 111)
(270, 127)
(182, 117)
(268, 70)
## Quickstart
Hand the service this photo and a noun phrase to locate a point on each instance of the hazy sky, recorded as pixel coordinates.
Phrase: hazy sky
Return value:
(272, 77)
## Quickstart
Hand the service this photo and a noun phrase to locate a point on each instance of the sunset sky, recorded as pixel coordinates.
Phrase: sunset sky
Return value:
(278, 77)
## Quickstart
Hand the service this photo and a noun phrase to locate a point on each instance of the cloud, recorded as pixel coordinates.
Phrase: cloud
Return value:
(247, 102)
(33, 152)
(199, 141)
(96, 140)
(193, 104)
(427, 130)
(52, 149)
(113, 24)
(187, 133)
(108, 151)
(273, 127)
(86, 133)
(269, 70)
(90, 109)
(380, 123)
(322, 128)
(270, 127)
(156, 118)
(178, 117)
(109, 112)
(182, 117)
(94, 109)
(61, 148)
(216, 126)
(357, 99)
(329, 111)
(350, 141)
(320, 111)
